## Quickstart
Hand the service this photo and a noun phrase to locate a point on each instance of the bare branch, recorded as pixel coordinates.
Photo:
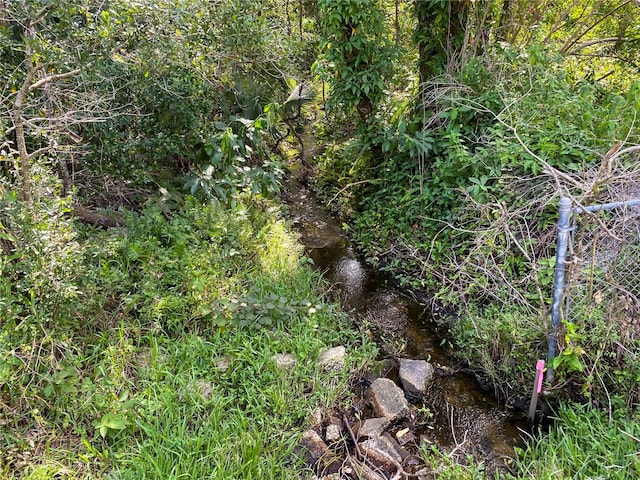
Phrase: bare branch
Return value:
(53, 78)
(561, 20)
(597, 41)
(573, 39)
(40, 151)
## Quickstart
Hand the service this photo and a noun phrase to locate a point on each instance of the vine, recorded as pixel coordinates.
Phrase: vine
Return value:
(357, 54)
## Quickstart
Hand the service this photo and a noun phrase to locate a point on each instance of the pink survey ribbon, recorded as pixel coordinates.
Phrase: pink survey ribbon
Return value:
(539, 374)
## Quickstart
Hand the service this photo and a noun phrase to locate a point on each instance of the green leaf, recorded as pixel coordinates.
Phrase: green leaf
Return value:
(116, 424)
(110, 422)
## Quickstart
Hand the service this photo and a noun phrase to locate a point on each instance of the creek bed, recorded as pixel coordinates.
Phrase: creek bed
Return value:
(465, 419)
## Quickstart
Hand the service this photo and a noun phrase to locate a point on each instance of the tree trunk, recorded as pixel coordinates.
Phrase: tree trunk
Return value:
(505, 22)
(4, 21)
(54, 127)
(23, 154)
(300, 13)
(286, 14)
(396, 22)
(18, 121)
(67, 182)
(440, 35)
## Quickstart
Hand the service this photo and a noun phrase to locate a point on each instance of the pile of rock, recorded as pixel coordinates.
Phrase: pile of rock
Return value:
(379, 447)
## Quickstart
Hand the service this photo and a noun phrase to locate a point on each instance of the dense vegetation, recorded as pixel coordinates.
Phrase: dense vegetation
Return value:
(148, 282)
(458, 170)
(148, 278)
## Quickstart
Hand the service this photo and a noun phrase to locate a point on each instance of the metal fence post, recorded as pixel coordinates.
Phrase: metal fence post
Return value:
(558, 280)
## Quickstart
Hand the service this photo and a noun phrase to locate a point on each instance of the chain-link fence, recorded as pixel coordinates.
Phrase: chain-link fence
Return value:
(597, 277)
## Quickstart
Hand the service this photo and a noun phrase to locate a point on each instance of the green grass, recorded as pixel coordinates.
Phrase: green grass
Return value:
(583, 443)
(503, 341)
(445, 467)
(145, 377)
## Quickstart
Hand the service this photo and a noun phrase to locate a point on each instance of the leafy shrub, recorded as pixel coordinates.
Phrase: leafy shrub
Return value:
(41, 265)
(504, 342)
(356, 54)
(235, 159)
(46, 298)
(258, 310)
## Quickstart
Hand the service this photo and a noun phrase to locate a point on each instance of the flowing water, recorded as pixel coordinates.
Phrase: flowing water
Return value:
(466, 418)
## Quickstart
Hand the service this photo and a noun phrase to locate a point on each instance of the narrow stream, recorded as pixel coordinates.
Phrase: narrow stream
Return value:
(466, 418)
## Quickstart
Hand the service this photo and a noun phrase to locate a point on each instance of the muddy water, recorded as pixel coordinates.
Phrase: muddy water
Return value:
(466, 419)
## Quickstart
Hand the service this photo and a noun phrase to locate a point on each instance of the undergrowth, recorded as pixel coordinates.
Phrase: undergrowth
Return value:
(117, 360)
(456, 197)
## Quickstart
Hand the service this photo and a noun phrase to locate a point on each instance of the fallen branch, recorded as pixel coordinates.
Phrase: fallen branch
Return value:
(93, 218)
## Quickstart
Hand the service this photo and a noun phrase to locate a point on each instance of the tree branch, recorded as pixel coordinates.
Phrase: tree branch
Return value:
(52, 78)
(590, 43)
(39, 151)
(573, 39)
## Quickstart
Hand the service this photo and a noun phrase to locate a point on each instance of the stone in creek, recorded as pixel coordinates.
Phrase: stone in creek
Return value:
(381, 452)
(317, 454)
(373, 427)
(388, 399)
(332, 358)
(415, 375)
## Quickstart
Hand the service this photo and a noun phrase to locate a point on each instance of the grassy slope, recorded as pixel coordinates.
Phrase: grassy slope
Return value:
(146, 379)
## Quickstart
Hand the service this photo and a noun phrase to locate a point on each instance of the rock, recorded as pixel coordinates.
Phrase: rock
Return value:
(396, 446)
(205, 389)
(314, 447)
(373, 427)
(405, 436)
(333, 433)
(388, 399)
(415, 375)
(381, 452)
(317, 416)
(332, 358)
(317, 454)
(284, 361)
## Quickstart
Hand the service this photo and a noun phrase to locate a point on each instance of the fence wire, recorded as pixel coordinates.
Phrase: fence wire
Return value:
(602, 284)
